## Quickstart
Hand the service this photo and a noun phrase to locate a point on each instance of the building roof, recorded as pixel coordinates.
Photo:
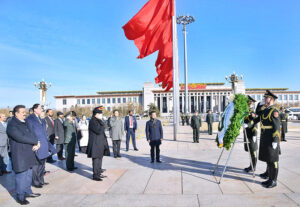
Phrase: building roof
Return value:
(264, 89)
(118, 92)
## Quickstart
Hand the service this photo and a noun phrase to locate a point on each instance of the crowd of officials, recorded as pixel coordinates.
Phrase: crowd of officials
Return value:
(31, 141)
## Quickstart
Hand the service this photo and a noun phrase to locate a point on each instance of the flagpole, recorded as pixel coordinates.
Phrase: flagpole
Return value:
(175, 76)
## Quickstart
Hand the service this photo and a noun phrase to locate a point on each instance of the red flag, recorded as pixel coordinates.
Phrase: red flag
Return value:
(151, 30)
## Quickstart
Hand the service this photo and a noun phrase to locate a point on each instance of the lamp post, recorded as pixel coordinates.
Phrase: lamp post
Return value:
(185, 20)
(43, 87)
(234, 79)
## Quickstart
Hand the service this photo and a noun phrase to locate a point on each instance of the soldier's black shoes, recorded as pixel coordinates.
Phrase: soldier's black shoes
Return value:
(269, 184)
(136, 149)
(97, 179)
(33, 195)
(284, 140)
(22, 202)
(37, 186)
(158, 161)
(248, 169)
(102, 176)
(264, 175)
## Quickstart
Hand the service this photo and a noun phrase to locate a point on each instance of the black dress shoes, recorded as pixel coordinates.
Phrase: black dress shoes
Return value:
(103, 176)
(269, 184)
(158, 161)
(46, 184)
(97, 179)
(33, 195)
(37, 186)
(136, 149)
(72, 169)
(264, 175)
(5, 172)
(103, 170)
(23, 202)
(119, 156)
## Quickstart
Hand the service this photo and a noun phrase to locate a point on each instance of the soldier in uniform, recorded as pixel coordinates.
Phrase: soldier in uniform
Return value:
(284, 119)
(187, 119)
(182, 119)
(196, 124)
(269, 148)
(250, 134)
(209, 121)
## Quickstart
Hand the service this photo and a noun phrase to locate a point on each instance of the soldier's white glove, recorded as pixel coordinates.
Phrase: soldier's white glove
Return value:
(245, 126)
(274, 145)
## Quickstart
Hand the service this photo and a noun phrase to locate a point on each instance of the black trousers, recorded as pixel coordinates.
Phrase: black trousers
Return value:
(253, 158)
(38, 173)
(209, 126)
(59, 149)
(155, 147)
(51, 140)
(272, 168)
(116, 147)
(83, 149)
(97, 167)
(282, 135)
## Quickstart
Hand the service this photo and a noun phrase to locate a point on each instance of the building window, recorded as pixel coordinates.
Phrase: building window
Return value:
(253, 96)
(98, 100)
(83, 101)
(280, 97)
(258, 97)
(134, 100)
(103, 101)
(108, 100)
(291, 97)
(296, 97)
(119, 100)
(64, 101)
(88, 101)
(285, 97)
(129, 99)
(78, 101)
(113, 100)
(124, 100)
(108, 108)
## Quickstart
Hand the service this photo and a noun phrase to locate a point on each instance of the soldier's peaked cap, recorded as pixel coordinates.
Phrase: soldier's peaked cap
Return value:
(270, 94)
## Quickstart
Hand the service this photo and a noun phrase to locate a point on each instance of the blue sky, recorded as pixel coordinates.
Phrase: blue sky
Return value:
(80, 46)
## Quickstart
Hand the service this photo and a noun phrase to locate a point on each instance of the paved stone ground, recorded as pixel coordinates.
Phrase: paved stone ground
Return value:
(183, 179)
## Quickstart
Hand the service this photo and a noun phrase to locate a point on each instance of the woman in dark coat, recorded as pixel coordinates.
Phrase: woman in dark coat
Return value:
(97, 142)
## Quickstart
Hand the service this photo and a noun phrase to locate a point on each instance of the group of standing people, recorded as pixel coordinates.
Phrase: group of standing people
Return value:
(196, 123)
(271, 123)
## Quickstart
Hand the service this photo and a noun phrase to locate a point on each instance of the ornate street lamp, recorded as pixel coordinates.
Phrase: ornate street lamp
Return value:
(234, 79)
(185, 20)
(43, 87)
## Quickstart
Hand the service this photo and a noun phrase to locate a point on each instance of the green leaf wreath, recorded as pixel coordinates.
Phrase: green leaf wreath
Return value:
(241, 109)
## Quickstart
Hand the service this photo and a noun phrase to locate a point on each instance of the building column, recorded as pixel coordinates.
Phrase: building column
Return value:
(204, 104)
(219, 103)
(161, 102)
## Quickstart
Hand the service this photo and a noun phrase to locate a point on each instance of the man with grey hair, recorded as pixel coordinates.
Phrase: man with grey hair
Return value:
(116, 132)
(3, 145)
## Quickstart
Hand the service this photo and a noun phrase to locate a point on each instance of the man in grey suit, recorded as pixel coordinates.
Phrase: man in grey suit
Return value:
(59, 135)
(3, 145)
(116, 132)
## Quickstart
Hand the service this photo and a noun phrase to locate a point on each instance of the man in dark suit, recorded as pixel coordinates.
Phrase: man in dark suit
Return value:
(23, 145)
(70, 140)
(38, 127)
(196, 124)
(50, 131)
(154, 134)
(59, 135)
(130, 127)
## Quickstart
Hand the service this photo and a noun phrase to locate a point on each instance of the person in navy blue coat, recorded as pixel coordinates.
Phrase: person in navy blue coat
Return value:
(23, 145)
(130, 126)
(154, 134)
(38, 127)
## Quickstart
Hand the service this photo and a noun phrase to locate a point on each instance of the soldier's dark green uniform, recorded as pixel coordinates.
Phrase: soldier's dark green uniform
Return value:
(70, 143)
(196, 124)
(284, 119)
(270, 132)
(187, 119)
(251, 132)
(209, 121)
(182, 119)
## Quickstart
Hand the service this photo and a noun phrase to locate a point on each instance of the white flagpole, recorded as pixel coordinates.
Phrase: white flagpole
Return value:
(175, 75)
